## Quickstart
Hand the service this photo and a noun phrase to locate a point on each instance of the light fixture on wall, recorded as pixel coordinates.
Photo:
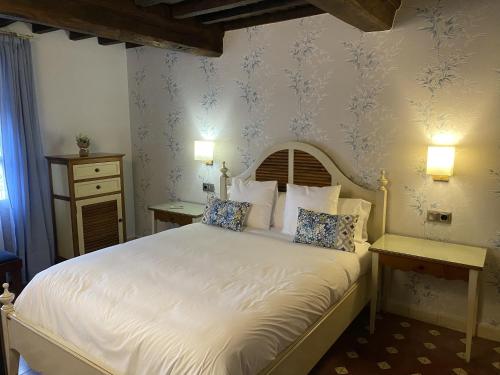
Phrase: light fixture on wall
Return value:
(440, 162)
(204, 151)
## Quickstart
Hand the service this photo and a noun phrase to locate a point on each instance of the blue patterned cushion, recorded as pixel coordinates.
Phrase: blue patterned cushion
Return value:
(226, 214)
(325, 230)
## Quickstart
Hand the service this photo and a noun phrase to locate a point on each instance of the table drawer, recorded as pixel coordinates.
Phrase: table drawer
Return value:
(94, 170)
(422, 266)
(90, 188)
(173, 218)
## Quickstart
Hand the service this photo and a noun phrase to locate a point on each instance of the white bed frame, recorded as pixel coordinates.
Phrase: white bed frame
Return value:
(52, 355)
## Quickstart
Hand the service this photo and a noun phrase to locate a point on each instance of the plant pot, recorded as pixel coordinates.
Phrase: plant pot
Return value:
(84, 152)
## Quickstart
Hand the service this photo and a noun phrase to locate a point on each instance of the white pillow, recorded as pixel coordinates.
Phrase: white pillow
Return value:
(279, 211)
(321, 199)
(360, 207)
(261, 195)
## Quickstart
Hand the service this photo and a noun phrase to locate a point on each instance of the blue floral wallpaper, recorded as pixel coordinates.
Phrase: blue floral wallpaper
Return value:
(370, 100)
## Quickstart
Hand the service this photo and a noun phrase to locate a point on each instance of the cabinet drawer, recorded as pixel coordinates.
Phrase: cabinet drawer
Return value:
(173, 217)
(93, 170)
(89, 188)
(421, 266)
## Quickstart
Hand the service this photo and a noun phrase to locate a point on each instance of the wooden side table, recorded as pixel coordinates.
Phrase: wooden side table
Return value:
(440, 259)
(181, 213)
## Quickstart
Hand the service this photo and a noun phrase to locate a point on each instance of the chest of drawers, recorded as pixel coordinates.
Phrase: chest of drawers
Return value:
(87, 202)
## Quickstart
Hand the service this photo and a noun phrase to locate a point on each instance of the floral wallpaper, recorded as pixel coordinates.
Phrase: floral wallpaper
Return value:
(370, 100)
(254, 96)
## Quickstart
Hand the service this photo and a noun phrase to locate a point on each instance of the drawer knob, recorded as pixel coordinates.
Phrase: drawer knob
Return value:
(120, 220)
(98, 187)
(420, 267)
(97, 170)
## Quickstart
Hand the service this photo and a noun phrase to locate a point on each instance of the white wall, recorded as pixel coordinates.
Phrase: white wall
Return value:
(83, 87)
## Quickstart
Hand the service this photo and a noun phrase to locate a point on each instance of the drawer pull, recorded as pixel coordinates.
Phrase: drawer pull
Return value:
(97, 170)
(98, 187)
(120, 220)
(420, 267)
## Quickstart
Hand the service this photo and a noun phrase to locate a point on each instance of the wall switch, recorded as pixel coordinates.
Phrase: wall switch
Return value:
(208, 188)
(439, 217)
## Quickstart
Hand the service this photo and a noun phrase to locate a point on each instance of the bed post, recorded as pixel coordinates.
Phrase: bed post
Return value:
(223, 181)
(382, 201)
(11, 357)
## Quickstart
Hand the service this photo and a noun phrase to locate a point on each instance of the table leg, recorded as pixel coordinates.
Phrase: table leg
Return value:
(154, 225)
(374, 291)
(474, 329)
(387, 287)
(471, 312)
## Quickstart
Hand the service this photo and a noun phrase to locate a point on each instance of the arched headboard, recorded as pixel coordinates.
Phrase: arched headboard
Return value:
(303, 164)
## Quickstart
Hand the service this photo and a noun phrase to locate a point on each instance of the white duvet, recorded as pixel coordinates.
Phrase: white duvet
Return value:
(193, 300)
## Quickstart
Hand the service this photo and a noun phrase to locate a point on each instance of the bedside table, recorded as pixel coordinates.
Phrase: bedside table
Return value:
(440, 259)
(182, 213)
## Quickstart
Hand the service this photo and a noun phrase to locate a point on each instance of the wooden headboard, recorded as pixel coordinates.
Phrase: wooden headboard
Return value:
(303, 164)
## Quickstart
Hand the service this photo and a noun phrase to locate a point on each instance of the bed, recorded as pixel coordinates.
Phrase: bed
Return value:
(199, 299)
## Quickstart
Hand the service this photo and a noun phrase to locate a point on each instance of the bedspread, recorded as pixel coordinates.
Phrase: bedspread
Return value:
(192, 300)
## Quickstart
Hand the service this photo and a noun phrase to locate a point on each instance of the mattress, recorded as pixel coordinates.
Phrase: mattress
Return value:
(192, 300)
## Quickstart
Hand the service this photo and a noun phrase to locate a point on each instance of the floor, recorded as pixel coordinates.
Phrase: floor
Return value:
(400, 346)
(407, 347)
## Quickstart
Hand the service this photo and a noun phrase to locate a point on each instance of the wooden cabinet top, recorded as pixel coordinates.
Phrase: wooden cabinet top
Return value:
(82, 159)
(190, 209)
(435, 251)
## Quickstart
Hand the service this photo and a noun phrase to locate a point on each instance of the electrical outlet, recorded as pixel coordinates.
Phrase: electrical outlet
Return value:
(439, 216)
(208, 188)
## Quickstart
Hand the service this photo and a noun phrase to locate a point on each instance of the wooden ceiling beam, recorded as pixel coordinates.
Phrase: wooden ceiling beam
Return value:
(250, 10)
(299, 12)
(42, 29)
(73, 35)
(107, 42)
(6, 22)
(132, 45)
(150, 3)
(194, 8)
(118, 20)
(366, 15)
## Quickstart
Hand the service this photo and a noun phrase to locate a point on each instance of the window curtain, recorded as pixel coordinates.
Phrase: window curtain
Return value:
(25, 214)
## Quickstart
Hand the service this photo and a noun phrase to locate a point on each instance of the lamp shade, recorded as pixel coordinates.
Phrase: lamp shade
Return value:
(204, 151)
(440, 162)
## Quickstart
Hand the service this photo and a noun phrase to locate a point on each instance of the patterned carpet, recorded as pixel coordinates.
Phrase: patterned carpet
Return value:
(407, 347)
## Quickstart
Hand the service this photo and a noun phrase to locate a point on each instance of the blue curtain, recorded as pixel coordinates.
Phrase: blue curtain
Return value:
(25, 168)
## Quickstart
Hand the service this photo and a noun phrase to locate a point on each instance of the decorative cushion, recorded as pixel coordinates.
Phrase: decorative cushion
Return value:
(226, 214)
(321, 199)
(360, 207)
(325, 230)
(261, 195)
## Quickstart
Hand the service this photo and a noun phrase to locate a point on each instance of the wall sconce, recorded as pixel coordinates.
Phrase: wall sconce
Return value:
(204, 151)
(440, 162)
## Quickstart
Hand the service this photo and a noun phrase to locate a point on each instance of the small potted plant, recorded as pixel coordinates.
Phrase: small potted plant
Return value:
(83, 142)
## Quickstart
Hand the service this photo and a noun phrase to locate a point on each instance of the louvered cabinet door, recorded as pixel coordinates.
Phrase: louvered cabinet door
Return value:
(100, 222)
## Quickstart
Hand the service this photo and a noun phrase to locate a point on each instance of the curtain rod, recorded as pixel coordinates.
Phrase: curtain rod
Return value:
(17, 35)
